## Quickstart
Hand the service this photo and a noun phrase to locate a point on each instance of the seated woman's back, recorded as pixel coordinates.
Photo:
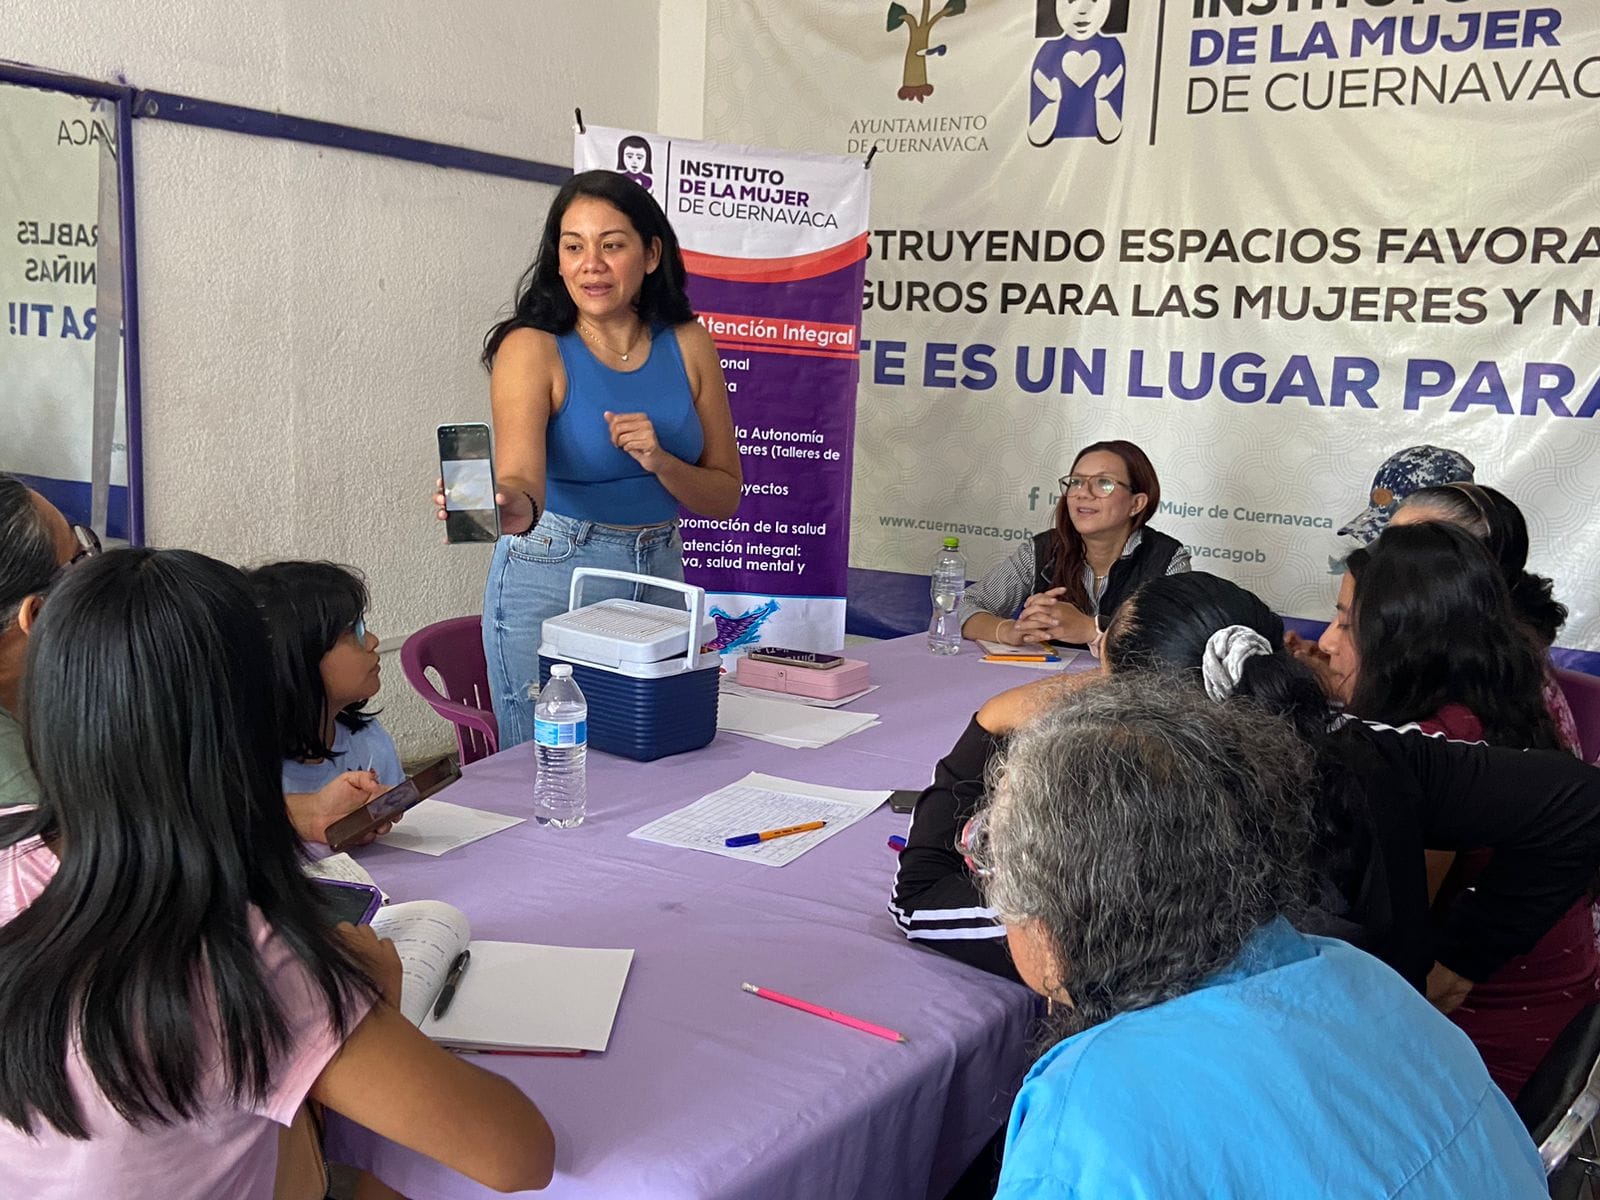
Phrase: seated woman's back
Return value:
(171, 987)
(1143, 847)
(1275, 1078)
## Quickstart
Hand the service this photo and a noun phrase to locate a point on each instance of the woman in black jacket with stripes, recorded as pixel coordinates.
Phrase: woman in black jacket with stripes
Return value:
(1385, 797)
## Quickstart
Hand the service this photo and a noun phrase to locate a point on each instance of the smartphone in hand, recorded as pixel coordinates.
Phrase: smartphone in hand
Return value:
(435, 777)
(466, 466)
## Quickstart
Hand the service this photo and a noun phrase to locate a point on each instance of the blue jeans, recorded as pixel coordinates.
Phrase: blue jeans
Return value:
(529, 580)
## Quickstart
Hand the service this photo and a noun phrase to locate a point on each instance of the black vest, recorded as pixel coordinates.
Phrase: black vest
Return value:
(1149, 561)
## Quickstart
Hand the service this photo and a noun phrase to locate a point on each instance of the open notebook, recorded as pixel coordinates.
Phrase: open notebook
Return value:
(513, 996)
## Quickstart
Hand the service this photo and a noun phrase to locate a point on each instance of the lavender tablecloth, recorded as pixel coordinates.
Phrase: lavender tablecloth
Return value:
(707, 1093)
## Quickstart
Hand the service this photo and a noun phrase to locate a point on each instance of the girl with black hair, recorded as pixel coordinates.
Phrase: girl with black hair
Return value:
(610, 413)
(1421, 639)
(171, 988)
(1383, 797)
(1420, 635)
(325, 669)
(1492, 517)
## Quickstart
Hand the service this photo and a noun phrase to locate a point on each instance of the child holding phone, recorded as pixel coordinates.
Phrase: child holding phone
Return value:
(325, 669)
(155, 895)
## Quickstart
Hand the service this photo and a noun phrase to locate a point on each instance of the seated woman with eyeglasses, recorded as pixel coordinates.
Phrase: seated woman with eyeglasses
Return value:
(1064, 585)
(1144, 846)
(36, 546)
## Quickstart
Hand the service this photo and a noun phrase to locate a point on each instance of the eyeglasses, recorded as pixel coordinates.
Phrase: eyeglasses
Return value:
(971, 843)
(358, 629)
(1102, 485)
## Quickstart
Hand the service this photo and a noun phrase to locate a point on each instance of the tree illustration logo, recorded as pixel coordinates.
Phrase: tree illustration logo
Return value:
(914, 83)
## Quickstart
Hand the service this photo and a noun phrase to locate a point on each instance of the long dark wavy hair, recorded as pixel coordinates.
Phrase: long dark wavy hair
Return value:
(1148, 832)
(1430, 619)
(1500, 525)
(542, 300)
(155, 747)
(1067, 549)
(308, 606)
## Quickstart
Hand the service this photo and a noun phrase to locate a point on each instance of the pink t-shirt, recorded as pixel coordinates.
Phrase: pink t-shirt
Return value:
(232, 1151)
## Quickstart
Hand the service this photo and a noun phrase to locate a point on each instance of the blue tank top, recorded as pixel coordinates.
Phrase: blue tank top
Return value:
(589, 479)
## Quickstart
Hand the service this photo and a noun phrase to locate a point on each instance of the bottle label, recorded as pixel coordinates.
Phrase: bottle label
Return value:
(561, 733)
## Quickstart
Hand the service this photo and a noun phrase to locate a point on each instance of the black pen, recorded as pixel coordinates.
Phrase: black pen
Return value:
(452, 980)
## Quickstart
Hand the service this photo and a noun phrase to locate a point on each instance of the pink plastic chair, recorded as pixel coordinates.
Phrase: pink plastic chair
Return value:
(1583, 697)
(454, 649)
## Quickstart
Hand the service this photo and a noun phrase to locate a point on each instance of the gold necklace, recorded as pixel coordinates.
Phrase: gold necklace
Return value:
(585, 327)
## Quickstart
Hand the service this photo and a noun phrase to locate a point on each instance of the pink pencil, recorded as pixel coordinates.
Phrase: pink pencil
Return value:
(816, 1011)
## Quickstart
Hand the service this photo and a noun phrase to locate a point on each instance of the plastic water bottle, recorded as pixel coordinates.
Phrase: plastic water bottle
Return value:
(948, 585)
(561, 744)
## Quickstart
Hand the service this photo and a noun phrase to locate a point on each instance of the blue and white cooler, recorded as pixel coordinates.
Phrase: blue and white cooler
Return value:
(650, 690)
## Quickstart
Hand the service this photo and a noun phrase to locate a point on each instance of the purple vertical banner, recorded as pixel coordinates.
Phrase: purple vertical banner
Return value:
(775, 244)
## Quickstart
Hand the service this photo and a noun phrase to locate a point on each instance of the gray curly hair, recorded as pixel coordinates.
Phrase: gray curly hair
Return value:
(1147, 831)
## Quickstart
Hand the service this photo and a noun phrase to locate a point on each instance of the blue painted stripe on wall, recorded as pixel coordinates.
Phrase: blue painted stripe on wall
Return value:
(235, 118)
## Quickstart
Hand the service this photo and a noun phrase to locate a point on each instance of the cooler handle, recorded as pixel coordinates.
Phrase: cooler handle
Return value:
(694, 599)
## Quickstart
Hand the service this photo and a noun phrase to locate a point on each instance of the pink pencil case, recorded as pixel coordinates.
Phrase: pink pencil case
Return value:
(847, 678)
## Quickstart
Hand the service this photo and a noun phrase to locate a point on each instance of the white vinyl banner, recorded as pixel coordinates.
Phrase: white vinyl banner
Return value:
(773, 244)
(1271, 241)
(53, 147)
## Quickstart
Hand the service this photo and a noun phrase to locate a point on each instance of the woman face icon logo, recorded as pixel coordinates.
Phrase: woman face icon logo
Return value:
(633, 158)
(1084, 18)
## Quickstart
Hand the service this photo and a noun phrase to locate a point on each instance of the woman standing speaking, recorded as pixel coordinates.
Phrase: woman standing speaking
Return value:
(610, 411)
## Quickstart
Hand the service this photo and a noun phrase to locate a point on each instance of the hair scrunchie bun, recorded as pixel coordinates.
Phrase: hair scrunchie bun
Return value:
(1226, 653)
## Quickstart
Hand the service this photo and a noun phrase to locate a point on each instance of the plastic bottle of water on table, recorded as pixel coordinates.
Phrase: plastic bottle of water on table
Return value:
(561, 743)
(947, 586)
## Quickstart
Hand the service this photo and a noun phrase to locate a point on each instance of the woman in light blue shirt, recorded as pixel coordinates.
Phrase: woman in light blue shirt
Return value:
(1142, 845)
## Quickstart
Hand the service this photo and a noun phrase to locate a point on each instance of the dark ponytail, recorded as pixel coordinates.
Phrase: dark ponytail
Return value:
(1495, 519)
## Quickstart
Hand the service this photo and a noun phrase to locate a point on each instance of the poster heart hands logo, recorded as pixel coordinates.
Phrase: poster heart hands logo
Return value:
(1080, 66)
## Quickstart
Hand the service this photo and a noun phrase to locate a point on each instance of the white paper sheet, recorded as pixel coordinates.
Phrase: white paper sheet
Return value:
(436, 827)
(795, 725)
(544, 997)
(756, 803)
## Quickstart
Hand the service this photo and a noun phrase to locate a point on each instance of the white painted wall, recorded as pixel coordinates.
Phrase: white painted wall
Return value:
(681, 111)
(309, 315)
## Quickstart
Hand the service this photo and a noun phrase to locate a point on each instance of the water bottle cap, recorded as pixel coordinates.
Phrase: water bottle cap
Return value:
(952, 543)
(561, 671)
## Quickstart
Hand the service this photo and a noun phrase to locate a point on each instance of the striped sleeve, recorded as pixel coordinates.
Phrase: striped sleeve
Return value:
(936, 901)
(1003, 587)
(1180, 561)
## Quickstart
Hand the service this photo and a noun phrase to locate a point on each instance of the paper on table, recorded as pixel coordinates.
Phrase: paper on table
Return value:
(1007, 651)
(731, 688)
(437, 826)
(544, 997)
(794, 725)
(755, 803)
(343, 869)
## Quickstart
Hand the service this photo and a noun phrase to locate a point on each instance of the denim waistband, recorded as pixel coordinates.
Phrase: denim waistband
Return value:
(584, 531)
